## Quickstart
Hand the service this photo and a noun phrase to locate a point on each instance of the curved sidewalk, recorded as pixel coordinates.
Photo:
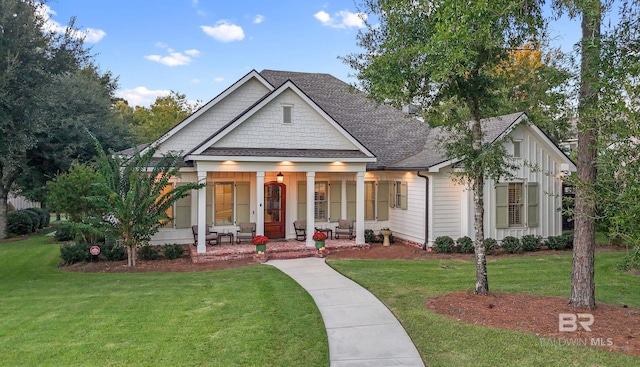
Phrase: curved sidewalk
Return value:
(361, 329)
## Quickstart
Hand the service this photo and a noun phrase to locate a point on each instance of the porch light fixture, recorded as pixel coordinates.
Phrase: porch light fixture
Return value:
(280, 177)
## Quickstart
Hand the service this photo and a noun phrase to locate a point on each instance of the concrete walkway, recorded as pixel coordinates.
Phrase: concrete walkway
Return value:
(361, 330)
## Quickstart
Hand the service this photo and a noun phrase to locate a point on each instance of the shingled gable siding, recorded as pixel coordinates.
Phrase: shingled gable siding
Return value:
(215, 118)
(308, 130)
(534, 153)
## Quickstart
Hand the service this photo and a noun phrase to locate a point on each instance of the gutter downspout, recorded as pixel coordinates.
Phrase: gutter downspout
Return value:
(426, 210)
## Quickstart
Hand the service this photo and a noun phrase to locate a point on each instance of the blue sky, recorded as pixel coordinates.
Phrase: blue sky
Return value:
(199, 47)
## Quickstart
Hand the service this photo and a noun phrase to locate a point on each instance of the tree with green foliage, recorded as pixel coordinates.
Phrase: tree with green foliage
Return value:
(68, 192)
(75, 103)
(165, 113)
(31, 59)
(438, 51)
(137, 194)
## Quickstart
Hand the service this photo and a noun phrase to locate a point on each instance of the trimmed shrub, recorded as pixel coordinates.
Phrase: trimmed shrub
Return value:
(370, 236)
(19, 222)
(511, 245)
(490, 246)
(531, 242)
(35, 219)
(65, 232)
(74, 253)
(568, 238)
(38, 222)
(45, 217)
(443, 244)
(556, 243)
(113, 252)
(173, 251)
(465, 245)
(148, 252)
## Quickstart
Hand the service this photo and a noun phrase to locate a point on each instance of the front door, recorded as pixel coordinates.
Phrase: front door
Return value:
(274, 210)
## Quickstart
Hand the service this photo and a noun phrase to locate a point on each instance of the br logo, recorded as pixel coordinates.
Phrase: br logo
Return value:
(570, 321)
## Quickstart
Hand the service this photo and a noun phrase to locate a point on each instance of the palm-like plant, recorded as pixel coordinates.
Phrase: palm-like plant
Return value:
(137, 197)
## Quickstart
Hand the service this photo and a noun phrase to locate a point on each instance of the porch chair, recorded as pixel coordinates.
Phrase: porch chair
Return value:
(246, 232)
(211, 238)
(344, 228)
(301, 229)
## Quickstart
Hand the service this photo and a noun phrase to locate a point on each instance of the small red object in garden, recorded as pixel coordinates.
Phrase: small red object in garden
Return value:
(319, 236)
(94, 250)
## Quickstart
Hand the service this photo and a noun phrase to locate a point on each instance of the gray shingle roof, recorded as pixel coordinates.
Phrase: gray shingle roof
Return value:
(492, 127)
(383, 130)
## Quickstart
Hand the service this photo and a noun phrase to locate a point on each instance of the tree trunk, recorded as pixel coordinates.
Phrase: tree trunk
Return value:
(482, 280)
(4, 195)
(582, 273)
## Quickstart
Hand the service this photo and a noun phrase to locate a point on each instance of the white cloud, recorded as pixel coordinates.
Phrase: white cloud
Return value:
(218, 79)
(141, 96)
(258, 19)
(224, 31)
(195, 81)
(341, 19)
(174, 58)
(90, 35)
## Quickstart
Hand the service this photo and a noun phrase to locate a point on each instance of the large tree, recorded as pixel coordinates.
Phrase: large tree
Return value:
(31, 58)
(165, 113)
(75, 102)
(430, 52)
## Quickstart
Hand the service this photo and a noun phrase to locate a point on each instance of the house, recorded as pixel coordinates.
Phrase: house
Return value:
(277, 146)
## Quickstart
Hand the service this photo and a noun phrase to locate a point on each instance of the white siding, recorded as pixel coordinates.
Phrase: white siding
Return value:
(446, 206)
(20, 202)
(408, 224)
(215, 118)
(538, 164)
(265, 129)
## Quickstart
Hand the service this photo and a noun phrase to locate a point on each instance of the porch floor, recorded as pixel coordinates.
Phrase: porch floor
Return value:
(276, 249)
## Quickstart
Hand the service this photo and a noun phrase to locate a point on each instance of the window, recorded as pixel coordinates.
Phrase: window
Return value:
(287, 113)
(515, 205)
(321, 201)
(400, 195)
(517, 148)
(223, 199)
(167, 223)
(369, 201)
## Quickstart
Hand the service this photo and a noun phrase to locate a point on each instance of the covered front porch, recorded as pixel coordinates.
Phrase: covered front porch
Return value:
(276, 249)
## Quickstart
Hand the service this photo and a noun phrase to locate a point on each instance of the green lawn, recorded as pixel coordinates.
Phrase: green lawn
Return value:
(257, 316)
(253, 316)
(404, 286)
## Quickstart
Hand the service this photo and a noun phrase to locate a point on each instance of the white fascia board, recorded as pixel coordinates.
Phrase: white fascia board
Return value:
(264, 102)
(205, 158)
(439, 166)
(252, 74)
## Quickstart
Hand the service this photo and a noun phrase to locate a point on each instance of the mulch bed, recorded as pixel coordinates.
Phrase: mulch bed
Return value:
(615, 328)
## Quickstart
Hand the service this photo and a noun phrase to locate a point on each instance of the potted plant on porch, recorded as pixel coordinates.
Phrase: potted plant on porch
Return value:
(260, 242)
(319, 237)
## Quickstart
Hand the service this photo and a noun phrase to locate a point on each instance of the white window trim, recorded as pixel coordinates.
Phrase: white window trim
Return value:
(284, 107)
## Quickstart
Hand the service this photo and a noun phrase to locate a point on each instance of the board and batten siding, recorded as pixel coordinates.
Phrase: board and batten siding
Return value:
(214, 118)
(539, 164)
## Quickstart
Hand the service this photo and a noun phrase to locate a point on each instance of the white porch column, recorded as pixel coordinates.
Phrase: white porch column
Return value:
(360, 208)
(202, 214)
(311, 201)
(260, 203)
